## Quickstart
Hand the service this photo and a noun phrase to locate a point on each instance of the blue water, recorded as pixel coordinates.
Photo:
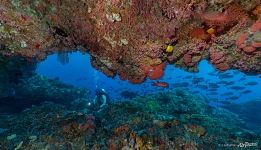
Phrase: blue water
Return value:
(211, 108)
(77, 71)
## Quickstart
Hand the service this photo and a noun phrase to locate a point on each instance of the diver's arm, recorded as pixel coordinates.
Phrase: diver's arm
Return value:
(104, 101)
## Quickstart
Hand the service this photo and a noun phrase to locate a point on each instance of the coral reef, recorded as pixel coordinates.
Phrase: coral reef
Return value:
(40, 89)
(21, 87)
(250, 42)
(36, 89)
(167, 120)
(12, 70)
(124, 36)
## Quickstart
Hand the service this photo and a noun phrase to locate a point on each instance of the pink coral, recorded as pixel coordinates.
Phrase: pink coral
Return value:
(154, 72)
(199, 33)
(187, 59)
(136, 79)
(215, 17)
(182, 10)
(241, 40)
(218, 59)
(222, 66)
(256, 26)
(232, 15)
(256, 44)
(248, 41)
(89, 124)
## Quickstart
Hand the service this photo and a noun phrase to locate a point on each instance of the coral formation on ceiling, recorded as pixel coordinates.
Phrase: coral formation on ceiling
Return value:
(136, 39)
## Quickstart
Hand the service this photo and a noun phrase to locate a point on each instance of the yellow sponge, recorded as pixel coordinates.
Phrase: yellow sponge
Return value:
(169, 49)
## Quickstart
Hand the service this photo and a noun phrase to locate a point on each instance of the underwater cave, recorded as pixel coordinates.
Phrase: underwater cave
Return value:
(143, 75)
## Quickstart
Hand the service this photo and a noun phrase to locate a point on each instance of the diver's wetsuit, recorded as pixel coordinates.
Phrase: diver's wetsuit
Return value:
(101, 98)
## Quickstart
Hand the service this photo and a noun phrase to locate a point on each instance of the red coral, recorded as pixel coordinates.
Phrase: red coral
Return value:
(216, 20)
(146, 69)
(222, 66)
(115, 2)
(136, 79)
(256, 44)
(123, 75)
(232, 15)
(215, 17)
(89, 124)
(241, 40)
(90, 117)
(256, 26)
(181, 10)
(113, 145)
(199, 33)
(154, 72)
(249, 49)
(157, 71)
(246, 42)
(152, 49)
(187, 59)
(218, 59)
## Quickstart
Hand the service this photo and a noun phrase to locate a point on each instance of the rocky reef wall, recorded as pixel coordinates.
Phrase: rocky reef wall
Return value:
(136, 39)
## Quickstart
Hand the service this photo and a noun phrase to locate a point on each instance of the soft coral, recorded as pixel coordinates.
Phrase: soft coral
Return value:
(234, 14)
(154, 72)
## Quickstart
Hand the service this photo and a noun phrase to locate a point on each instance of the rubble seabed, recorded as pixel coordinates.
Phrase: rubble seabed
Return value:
(169, 120)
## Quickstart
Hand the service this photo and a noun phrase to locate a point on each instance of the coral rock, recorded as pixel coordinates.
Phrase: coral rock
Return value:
(187, 59)
(122, 36)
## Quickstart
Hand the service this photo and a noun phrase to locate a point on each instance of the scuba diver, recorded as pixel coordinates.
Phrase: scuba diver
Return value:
(100, 102)
(101, 99)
